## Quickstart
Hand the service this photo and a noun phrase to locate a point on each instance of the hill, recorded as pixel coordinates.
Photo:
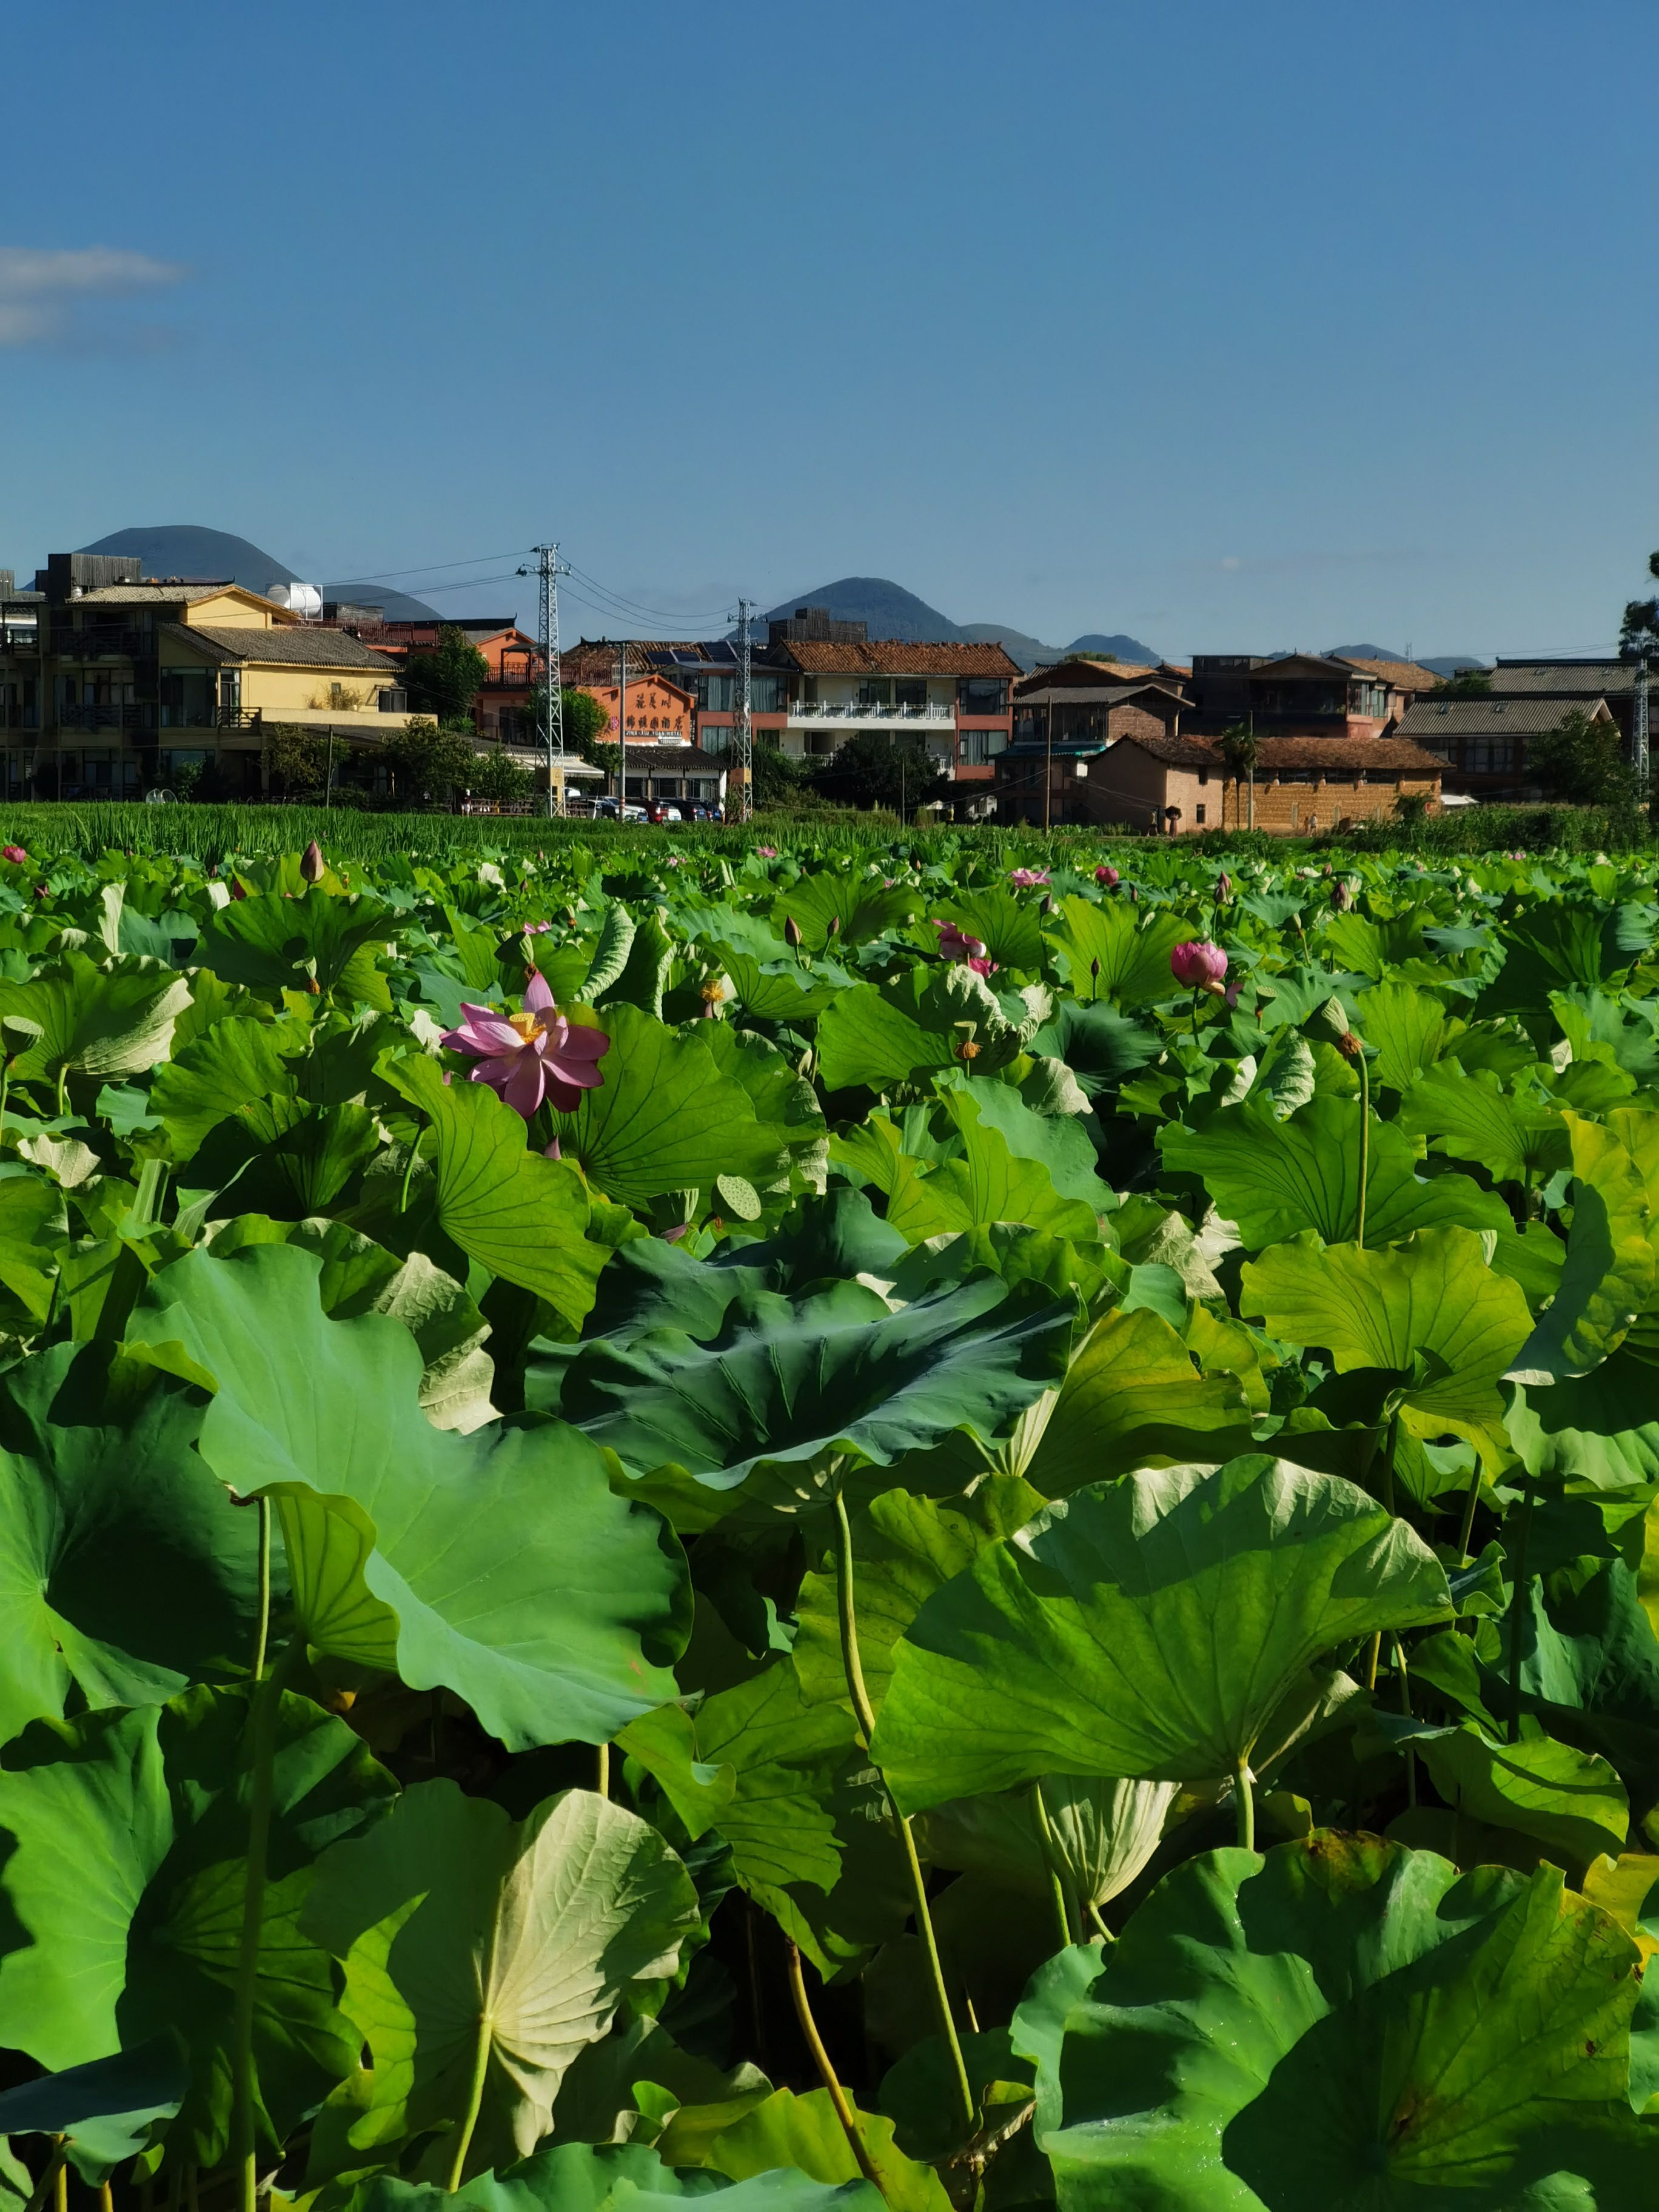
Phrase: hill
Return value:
(186, 549)
(1444, 664)
(1027, 650)
(890, 611)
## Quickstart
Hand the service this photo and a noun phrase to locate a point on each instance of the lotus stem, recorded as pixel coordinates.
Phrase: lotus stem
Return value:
(1469, 1504)
(1051, 1861)
(474, 2094)
(864, 1713)
(1519, 1596)
(53, 2177)
(265, 1704)
(106, 2200)
(602, 1781)
(1101, 1929)
(826, 2075)
(1245, 1795)
(62, 1086)
(262, 1634)
(409, 1170)
(1405, 1707)
(1364, 1144)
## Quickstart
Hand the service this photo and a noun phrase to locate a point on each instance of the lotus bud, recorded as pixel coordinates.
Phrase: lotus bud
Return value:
(1094, 971)
(1134, 896)
(1048, 906)
(1342, 897)
(1198, 964)
(1107, 876)
(236, 890)
(15, 853)
(792, 929)
(1224, 887)
(834, 925)
(312, 863)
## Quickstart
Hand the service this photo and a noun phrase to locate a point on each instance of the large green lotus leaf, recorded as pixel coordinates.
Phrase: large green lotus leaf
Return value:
(1602, 1428)
(1369, 946)
(394, 1529)
(124, 1881)
(524, 1218)
(789, 2131)
(773, 990)
(1275, 1179)
(33, 1225)
(126, 1571)
(784, 1103)
(1589, 1670)
(909, 1024)
(240, 1061)
(862, 905)
(1563, 940)
(1132, 1398)
(469, 1939)
(1469, 1116)
(106, 2111)
(1147, 1629)
(665, 1117)
(1009, 928)
(789, 1385)
(1351, 2026)
(281, 1156)
(107, 1019)
(1133, 950)
(1435, 1296)
(1060, 1141)
(272, 943)
(1409, 1030)
(904, 1548)
(1572, 1801)
(1608, 1275)
(583, 2177)
(989, 1181)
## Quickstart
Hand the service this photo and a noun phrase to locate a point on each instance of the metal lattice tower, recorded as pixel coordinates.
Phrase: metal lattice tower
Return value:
(548, 567)
(743, 734)
(1638, 733)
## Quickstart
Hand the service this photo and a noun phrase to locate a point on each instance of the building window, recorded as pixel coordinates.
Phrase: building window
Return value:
(765, 693)
(1203, 777)
(910, 691)
(981, 695)
(876, 691)
(1199, 812)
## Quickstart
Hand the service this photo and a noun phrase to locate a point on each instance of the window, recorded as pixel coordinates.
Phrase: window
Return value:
(1199, 812)
(1203, 777)
(978, 748)
(910, 691)
(765, 692)
(713, 694)
(876, 691)
(1488, 756)
(981, 695)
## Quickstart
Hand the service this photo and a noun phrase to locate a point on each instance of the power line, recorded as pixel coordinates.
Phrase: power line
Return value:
(471, 561)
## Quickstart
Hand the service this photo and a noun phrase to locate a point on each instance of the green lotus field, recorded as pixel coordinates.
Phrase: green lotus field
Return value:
(828, 1525)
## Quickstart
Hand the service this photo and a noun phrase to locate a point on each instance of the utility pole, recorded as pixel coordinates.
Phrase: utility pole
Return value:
(621, 738)
(743, 729)
(1047, 764)
(548, 567)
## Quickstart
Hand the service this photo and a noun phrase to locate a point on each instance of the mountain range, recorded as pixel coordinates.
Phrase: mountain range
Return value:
(891, 611)
(186, 548)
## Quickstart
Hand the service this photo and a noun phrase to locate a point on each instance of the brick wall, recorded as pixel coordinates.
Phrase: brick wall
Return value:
(1298, 809)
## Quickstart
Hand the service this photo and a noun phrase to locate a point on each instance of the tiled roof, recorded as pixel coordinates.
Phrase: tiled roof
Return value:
(1403, 675)
(1339, 757)
(1434, 721)
(292, 646)
(1089, 694)
(1563, 679)
(892, 656)
(1083, 668)
(176, 595)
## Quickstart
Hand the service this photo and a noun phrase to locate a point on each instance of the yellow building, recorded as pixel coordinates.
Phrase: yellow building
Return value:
(111, 682)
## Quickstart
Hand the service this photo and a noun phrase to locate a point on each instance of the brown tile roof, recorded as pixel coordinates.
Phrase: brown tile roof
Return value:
(1083, 668)
(1403, 675)
(1434, 720)
(1339, 757)
(892, 656)
(177, 595)
(296, 645)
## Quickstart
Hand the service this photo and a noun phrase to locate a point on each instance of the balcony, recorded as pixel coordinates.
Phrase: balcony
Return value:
(845, 711)
(107, 642)
(126, 717)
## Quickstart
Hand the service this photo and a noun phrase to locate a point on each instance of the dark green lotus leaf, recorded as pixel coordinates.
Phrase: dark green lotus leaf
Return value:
(124, 1881)
(240, 1060)
(788, 2131)
(129, 1573)
(1148, 1629)
(106, 2111)
(394, 1529)
(1346, 2026)
(107, 1019)
(790, 1384)
(914, 1021)
(1010, 929)
(862, 905)
(1112, 950)
(1100, 1045)
(277, 943)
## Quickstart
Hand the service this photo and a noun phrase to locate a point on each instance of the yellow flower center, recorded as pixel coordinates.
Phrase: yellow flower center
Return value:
(530, 1026)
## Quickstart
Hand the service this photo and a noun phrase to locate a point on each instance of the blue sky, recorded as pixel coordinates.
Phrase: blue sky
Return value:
(1235, 327)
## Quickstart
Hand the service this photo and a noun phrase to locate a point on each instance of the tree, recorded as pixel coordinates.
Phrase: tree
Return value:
(429, 763)
(780, 779)
(586, 720)
(297, 757)
(1467, 683)
(1639, 631)
(1583, 762)
(872, 769)
(1241, 748)
(497, 777)
(445, 682)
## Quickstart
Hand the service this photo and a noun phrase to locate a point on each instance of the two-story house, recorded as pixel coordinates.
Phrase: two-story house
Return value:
(1301, 695)
(111, 682)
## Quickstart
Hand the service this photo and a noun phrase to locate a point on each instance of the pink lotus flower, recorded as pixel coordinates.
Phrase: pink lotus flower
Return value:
(533, 1054)
(1107, 876)
(767, 851)
(1200, 965)
(312, 866)
(15, 853)
(966, 951)
(537, 928)
(1026, 879)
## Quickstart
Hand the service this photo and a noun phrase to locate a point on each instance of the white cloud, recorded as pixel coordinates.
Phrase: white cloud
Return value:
(40, 288)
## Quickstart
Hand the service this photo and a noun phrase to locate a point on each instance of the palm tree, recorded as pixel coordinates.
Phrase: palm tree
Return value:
(1240, 749)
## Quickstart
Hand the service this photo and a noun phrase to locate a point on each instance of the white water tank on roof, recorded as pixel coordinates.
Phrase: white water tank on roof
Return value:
(302, 599)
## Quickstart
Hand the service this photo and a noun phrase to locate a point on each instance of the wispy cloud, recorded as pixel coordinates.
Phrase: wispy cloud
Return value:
(42, 288)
